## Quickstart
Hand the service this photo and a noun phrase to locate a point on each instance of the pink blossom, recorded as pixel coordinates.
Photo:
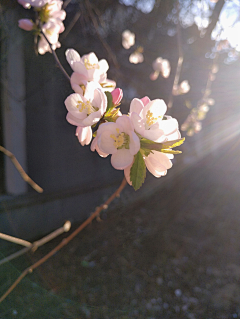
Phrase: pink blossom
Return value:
(51, 30)
(117, 96)
(120, 140)
(88, 65)
(147, 117)
(25, 24)
(88, 109)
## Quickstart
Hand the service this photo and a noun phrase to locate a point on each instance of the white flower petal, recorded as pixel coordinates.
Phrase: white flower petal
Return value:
(94, 147)
(126, 124)
(169, 126)
(138, 123)
(106, 142)
(103, 65)
(122, 159)
(72, 56)
(158, 163)
(136, 106)
(154, 135)
(73, 120)
(84, 135)
(134, 145)
(157, 107)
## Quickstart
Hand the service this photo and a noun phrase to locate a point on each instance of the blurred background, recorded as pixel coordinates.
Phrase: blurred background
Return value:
(184, 52)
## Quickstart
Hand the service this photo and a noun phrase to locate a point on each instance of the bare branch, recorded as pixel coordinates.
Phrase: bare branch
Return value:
(15, 240)
(24, 175)
(66, 227)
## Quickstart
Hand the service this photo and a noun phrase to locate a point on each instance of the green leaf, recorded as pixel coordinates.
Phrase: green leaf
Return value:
(150, 145)
(170, 151)
(110, 104)
(145, 151)
(175, 143)
(138, 171)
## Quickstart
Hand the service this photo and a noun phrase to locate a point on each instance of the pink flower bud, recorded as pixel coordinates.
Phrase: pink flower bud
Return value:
(117, 96)
(25, 24)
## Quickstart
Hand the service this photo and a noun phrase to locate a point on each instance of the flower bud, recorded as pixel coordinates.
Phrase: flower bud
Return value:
(25, 24)
(117, 96)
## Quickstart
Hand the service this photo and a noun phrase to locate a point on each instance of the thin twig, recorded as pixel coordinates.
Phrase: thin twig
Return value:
(21, 171)
(106, 46)
(56, 57)
(66, 240)
(66, 227)
(15, 240)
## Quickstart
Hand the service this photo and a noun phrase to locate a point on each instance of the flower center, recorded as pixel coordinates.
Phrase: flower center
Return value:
(89, 65)
(150, 119)
(121, 140)
(86, 107)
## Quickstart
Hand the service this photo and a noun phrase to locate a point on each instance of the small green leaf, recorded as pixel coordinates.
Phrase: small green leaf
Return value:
(110, 104)
(169, 151)
(138, 171)
(171, 144)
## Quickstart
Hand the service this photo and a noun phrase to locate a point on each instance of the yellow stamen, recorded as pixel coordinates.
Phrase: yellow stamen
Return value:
(150, 119)
(85, 106)
(118, 140)
(89, 65)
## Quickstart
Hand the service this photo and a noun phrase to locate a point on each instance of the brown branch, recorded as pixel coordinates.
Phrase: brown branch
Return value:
(65, 241)
(21, 171)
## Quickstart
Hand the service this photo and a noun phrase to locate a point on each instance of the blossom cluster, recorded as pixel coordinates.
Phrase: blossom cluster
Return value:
(48, 22)
(142, 138)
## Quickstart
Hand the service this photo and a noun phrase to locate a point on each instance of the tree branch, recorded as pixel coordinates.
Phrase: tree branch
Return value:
(21, 171)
